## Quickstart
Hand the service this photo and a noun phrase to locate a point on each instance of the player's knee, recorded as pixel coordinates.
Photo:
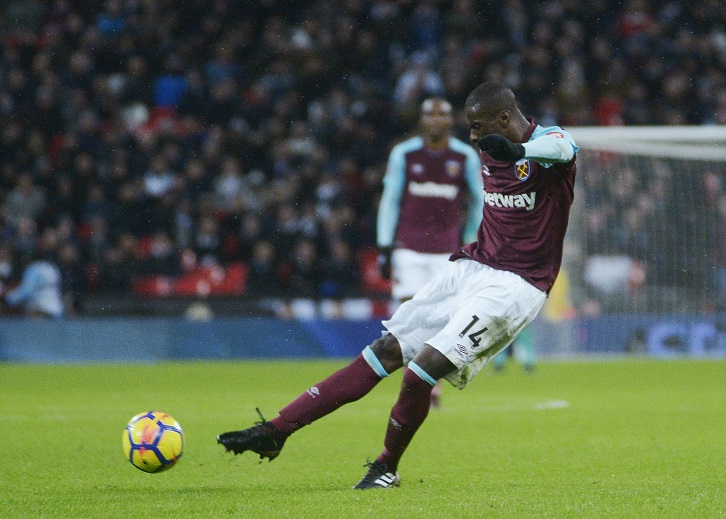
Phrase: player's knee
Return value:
(431, 365)
(388, 352)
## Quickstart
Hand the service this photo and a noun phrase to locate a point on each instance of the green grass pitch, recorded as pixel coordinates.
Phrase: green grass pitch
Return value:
(620, 438)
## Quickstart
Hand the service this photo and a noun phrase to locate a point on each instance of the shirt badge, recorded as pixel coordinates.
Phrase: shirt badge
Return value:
(522, 169)
(453, 168)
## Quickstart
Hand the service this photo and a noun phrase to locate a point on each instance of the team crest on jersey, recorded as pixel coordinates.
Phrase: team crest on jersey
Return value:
(522, 169)
(453, 168)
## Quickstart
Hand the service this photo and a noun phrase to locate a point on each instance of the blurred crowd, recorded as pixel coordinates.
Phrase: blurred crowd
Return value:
(654, 232)
(144, 137)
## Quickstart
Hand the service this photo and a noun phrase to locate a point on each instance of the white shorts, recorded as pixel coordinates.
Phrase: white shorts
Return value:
(469, 312)
(412, 270)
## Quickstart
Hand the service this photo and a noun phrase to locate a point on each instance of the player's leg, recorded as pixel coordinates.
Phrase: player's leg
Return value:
(501, 359)
(414, 399)
(411, 271)
(483, 310)
(524, 351)
(415, 322)
(435, 263)
(348, 384)
(407, 415)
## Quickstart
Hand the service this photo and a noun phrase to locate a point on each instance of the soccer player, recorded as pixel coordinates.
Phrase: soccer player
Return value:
(429, 181)
(431, 204)
(522, 349)
(471, 310)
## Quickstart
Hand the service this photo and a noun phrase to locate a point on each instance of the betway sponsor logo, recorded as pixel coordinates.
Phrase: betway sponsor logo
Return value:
(525, 200)
(432, 189)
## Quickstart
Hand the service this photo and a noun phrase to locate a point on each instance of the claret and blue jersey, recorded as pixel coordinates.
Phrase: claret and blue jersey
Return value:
(426, 194)
(526, 209)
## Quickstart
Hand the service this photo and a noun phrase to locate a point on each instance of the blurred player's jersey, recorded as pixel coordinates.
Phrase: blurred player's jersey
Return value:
(432, 188)
(526, 208)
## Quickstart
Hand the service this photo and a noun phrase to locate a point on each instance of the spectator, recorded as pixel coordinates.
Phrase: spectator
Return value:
(136, 89)
(340, 276)
(169, 86)
(120, 264)
(25, 200)
(111, 22)
(182, 225)
(194, 99)
(287, 229)
(126, 214)
(95, 204)
(163, 258)
(251, 232)
(305, 271)
(223, 66)
(263, 276)
(9, 266)
(74, 278)
(95, 240)
(418, 81)
(207, 244)
(229, 186)
(40, 290)
(26, 239)
(159, 179)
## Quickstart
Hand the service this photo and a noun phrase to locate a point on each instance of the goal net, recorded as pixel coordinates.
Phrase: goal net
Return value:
(648, 226)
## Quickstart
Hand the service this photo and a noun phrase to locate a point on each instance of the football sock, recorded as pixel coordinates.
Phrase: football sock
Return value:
(406, 417)
(525, 347)
(342, 387)
(499, 360)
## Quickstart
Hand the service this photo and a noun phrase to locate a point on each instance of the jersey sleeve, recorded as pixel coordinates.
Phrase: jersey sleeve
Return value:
(476, 196)
(550, 145)
(390, 205)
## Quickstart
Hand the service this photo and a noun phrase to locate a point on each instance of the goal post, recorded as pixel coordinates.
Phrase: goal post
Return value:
(704, 143)
(648, 223)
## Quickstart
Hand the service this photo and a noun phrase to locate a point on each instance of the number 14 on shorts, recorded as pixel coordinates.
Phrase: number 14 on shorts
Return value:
(475, 336)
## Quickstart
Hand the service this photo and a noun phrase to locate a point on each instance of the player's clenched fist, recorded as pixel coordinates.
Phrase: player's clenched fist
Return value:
(499, 147)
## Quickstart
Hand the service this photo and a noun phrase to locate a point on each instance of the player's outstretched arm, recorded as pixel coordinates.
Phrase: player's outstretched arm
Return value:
(549, 147)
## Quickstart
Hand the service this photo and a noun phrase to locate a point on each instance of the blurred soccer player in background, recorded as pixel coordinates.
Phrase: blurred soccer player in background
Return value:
(471, 310)
(431, 204)
(522, 350)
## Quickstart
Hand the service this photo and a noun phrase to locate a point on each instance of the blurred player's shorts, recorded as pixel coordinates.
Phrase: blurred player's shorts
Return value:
(412, 270)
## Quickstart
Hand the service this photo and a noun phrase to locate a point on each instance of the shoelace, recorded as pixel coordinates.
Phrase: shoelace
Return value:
(377, 466)
(276, 435)
(262, 418)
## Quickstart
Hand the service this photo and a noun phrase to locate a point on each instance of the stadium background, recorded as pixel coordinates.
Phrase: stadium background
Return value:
(189, 160)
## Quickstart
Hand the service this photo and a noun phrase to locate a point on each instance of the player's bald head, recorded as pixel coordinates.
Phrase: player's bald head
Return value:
(491, 97)
(435, 104)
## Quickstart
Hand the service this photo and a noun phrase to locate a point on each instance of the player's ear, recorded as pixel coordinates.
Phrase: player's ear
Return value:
(503, 118)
